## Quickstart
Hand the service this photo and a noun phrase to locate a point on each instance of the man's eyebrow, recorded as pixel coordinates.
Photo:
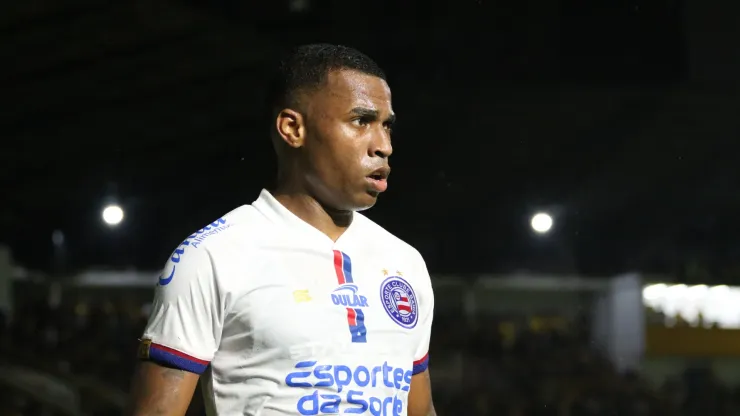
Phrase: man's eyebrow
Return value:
(374, 114)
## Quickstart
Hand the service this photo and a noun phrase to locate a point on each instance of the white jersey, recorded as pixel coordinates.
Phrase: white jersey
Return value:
(281, 320)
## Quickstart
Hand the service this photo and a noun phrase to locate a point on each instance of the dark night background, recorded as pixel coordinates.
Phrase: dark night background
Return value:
(617, 117)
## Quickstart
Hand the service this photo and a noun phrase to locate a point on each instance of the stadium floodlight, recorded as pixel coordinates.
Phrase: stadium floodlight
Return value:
(541, 223)
(57, 238)
(112, 215)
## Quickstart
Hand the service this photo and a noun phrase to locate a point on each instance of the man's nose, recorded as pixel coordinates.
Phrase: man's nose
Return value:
(381, 146)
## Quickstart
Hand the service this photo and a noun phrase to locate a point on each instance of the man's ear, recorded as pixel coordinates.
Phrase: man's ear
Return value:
(291, 127)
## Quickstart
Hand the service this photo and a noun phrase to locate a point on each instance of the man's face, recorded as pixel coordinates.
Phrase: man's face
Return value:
(348, 140)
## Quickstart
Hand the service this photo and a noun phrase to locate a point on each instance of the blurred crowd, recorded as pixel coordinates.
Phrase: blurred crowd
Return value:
(490, 366)
(555, 371)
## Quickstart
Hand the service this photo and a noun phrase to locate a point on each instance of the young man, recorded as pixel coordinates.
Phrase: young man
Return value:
(298, 304)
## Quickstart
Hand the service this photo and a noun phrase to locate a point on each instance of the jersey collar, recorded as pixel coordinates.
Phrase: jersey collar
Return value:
(276, 212)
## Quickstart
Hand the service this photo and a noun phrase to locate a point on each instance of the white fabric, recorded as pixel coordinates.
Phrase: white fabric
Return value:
(254, 294)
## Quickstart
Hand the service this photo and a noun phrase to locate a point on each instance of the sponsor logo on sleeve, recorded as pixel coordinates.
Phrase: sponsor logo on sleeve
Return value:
(190, 243)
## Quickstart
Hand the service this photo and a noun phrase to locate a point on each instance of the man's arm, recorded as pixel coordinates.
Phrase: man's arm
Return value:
(420, 391)
(159, 390)
(420, 396)
(181, 336)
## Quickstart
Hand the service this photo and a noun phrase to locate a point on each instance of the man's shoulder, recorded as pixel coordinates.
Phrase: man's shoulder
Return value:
(238, 227)
(220, 244)
(389, 241)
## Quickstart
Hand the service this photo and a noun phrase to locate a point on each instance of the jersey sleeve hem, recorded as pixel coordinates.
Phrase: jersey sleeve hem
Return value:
(171, 357)
(421, 364)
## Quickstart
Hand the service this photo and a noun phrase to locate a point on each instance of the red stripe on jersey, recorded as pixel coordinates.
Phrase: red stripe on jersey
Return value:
(338, 260)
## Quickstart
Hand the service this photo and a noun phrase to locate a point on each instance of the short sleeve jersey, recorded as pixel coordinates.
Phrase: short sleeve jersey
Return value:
(281, 320)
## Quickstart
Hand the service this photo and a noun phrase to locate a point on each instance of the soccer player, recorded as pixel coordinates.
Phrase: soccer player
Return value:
(297, 304)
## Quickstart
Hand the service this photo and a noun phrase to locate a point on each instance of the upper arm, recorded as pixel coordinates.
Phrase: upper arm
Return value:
(159, 390)
(420, 393)
(182, 334)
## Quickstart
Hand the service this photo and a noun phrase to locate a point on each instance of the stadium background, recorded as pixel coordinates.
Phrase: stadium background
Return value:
(618, 118)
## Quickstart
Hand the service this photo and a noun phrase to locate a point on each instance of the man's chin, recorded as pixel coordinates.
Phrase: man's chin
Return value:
(366, 201)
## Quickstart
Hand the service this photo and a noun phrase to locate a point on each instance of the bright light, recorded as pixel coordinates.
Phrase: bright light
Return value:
(112, 215)
(697, 305)
(541, 223)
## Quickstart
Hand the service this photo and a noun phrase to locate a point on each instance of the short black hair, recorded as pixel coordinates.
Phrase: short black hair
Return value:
(306, 67)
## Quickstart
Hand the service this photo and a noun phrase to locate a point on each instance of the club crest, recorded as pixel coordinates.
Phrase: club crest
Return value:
(399, 301)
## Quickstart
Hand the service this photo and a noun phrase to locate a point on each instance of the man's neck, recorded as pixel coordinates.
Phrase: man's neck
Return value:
(304, 206)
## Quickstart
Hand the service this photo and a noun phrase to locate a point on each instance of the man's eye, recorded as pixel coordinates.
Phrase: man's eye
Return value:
(362, 121)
